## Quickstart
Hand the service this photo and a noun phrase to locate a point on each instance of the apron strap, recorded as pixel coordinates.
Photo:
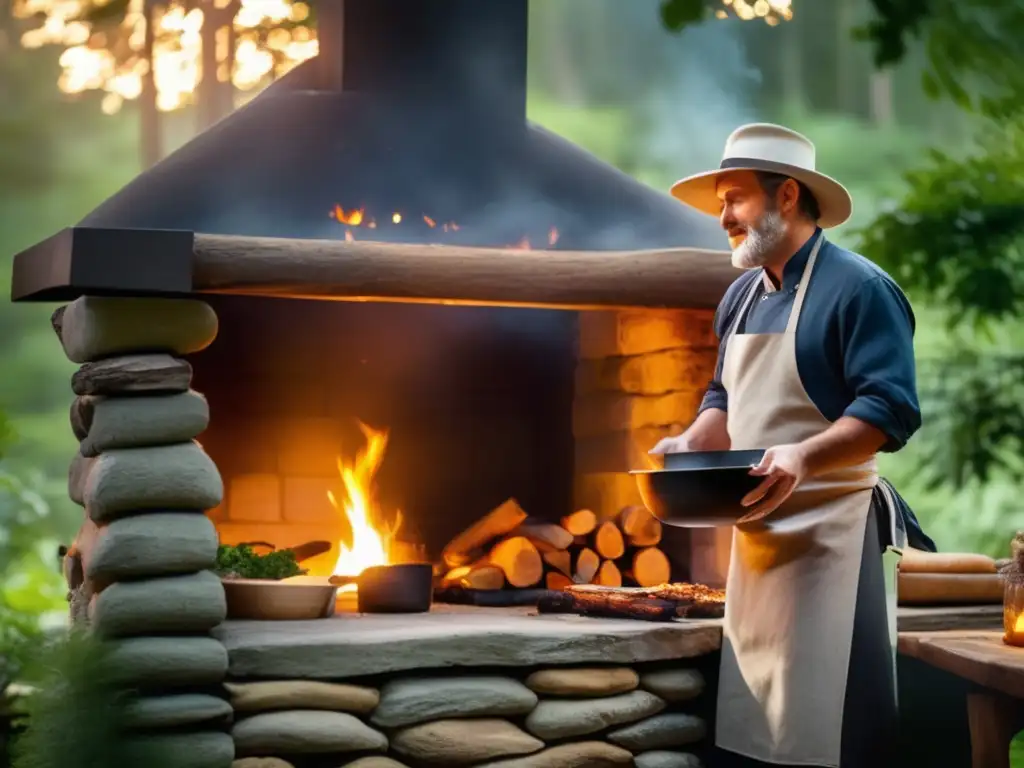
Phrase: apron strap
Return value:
(897, 527)
(890, 563)
(801, 291)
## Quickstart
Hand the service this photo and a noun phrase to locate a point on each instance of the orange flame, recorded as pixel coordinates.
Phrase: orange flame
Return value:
(372, 539)
(358, 218)
(351, 219)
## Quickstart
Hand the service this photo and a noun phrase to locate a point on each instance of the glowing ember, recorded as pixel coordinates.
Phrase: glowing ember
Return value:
(357, 217)
(372, 539)
(352, 218)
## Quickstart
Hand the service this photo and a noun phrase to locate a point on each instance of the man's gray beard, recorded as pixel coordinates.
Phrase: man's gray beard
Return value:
(762, 239)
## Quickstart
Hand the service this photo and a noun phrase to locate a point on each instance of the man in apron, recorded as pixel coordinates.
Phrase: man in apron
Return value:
(816, 365)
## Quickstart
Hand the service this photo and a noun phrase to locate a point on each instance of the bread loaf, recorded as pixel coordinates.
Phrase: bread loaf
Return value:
(949, 588)
(916, 561)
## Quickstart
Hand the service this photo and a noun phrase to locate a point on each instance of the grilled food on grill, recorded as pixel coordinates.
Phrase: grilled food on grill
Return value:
(661, 603)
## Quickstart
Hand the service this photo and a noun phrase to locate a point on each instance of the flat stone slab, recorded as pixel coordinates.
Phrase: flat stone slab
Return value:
(351, 645)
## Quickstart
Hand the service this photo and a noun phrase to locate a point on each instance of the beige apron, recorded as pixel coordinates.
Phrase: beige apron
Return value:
(793, 577)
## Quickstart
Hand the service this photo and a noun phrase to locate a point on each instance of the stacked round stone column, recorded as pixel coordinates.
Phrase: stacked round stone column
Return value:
(139, 571)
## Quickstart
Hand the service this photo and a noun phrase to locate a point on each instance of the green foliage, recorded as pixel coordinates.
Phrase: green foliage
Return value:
(956, 234)
(976, 422)
(896, 24)
(677, 14)
(75, 711)
(19, 641)
(955, 238)
(971, 48)
(242, 562)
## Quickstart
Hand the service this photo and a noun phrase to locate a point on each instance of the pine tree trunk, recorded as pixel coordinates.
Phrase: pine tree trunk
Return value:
(151, 142)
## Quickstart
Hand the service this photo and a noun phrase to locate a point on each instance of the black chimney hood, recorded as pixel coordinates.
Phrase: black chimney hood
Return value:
(414, 107)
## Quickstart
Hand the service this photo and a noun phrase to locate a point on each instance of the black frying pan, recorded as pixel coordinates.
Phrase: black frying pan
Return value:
(404, 588)
(701, 489)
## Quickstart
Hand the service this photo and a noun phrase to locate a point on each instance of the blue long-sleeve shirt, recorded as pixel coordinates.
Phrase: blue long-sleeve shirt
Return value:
(854, 341)
(854, 345)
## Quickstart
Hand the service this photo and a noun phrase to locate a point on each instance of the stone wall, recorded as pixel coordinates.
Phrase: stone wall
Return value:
(641, 376)
(559, 717)
(138, 571)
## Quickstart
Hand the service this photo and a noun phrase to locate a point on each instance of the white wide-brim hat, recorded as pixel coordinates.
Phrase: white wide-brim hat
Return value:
(774, 149)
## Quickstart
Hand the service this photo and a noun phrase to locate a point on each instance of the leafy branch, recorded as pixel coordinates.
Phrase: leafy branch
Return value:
(956, 236)
(969, 45)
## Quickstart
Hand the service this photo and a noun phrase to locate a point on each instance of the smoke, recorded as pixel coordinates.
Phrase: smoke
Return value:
(684, 92)
(706, 92)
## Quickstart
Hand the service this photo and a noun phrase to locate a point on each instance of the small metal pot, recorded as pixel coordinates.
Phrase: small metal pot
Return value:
(403, 588)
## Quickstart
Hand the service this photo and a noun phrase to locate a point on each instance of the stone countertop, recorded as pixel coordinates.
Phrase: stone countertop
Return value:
(352, 645)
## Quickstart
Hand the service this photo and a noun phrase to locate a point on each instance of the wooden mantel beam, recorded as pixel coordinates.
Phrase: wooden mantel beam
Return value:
(374, 271)
(144, 262)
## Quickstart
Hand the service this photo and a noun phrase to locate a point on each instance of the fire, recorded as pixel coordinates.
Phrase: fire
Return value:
(372, 538)
(352, 218)
(357, 217)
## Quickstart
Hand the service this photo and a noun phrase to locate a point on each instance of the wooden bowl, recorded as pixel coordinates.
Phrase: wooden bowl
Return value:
(265, 600)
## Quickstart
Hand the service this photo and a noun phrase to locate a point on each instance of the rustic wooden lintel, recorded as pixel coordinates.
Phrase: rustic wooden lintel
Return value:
(86, 261)
(374, 271)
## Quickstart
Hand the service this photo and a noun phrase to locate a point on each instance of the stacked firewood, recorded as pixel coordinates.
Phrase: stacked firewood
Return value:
(508, 549)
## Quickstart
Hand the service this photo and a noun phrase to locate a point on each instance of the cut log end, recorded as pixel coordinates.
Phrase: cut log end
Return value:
(609, 542)
(582, 522)
(465, 548)
(486, 578)
(650, 568)
(547, 537)
(519, 560)
(608, 575)
(587, 563)
(641, 528)
(560, 560)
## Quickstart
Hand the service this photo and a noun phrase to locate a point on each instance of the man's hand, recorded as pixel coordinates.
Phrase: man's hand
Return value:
(677, 444)
(783, 468)
(709, 432)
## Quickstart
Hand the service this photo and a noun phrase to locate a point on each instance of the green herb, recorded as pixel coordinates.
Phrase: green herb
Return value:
(242, 562)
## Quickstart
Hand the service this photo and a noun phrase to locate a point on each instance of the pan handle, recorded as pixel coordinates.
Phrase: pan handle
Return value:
(343, 581)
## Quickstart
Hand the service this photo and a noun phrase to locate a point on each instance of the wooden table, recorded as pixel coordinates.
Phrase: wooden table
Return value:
(995, 710)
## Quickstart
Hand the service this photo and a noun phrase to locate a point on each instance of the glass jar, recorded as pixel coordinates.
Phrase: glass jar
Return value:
(1013, 607)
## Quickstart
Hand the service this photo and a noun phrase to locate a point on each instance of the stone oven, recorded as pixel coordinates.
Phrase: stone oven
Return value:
(382, 239)
(410, 127)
